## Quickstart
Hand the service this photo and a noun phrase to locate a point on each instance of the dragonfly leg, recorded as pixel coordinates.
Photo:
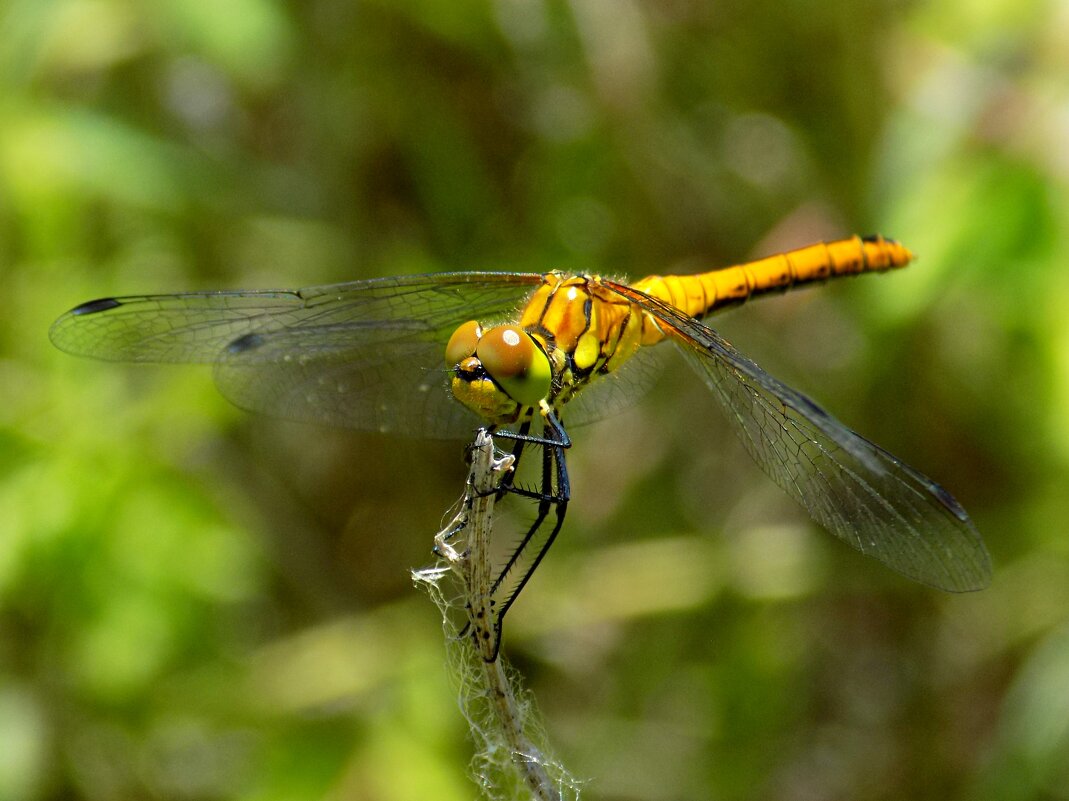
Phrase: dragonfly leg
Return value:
(558, 438)
(519, 441)
(554, 493)
(459, 525)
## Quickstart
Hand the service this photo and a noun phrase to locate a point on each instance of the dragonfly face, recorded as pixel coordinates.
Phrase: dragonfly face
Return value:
(498, 373)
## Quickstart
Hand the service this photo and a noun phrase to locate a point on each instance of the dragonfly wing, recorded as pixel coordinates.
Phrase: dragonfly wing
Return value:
(365, 354)
(620, 389)
(401, 388)
(854, 488)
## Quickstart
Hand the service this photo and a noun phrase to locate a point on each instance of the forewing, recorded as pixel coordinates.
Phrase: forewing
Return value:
(854, 488)
(399, 385)
(365, 354)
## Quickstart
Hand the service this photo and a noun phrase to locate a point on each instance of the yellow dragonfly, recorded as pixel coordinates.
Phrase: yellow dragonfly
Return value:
(522, 352)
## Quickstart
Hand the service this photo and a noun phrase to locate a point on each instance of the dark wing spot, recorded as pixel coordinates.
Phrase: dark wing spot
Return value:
(245, 343)
(808, 407)
(949, 502)
(94, 306)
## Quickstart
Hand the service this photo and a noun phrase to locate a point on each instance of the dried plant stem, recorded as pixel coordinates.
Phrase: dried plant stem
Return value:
(526, 757)
(500, 719)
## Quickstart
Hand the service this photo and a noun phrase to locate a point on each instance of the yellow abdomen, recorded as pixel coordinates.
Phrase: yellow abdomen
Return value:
(702, 294)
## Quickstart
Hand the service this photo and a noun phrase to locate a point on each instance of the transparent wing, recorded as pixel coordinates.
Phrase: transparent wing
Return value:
(613, 393)
(858, 491)
(364, 354)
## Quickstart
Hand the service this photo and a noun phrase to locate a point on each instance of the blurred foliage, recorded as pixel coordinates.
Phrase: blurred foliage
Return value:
(195, 604)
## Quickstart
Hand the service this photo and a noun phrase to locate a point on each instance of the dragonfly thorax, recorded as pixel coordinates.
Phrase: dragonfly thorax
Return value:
(498, 372)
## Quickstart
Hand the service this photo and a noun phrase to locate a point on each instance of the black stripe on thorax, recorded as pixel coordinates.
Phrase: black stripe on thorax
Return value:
(545, 306)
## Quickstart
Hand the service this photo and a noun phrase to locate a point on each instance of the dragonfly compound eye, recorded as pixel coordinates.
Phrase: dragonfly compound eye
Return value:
(511, 357)
(462, 343)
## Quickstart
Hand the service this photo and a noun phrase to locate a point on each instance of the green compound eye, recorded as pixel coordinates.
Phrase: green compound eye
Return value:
(462, 343)
(511, 357)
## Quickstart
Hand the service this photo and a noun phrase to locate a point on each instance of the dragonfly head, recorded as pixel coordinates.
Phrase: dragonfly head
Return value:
(497, 372)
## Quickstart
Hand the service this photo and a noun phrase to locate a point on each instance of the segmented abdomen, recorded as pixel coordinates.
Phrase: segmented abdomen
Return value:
(699, 295)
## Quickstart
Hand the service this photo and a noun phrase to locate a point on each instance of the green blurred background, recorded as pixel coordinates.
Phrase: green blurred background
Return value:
(200, 604)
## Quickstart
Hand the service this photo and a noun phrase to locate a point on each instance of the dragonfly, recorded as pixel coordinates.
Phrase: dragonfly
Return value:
(441, 354)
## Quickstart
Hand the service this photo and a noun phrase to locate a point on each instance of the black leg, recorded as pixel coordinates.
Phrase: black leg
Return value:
(519, 440)
(555, 493)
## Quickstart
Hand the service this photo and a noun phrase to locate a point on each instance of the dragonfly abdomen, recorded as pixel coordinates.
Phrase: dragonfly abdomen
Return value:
(699, 295)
